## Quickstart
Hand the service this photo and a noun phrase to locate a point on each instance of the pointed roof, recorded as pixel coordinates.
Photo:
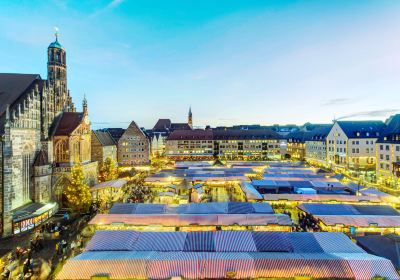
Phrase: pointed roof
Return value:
(12, 86)
(67, 123)
(365, 129)
(162, 124)
(133, 128)
(41, 159)
(104, 138)
(391, 134)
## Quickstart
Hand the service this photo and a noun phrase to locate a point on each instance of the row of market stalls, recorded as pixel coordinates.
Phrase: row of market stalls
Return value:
(354, 219)
(193, 216)
(224, 254)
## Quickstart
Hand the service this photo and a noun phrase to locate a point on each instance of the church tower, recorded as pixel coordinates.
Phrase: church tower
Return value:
(190, 118)
(57, 76)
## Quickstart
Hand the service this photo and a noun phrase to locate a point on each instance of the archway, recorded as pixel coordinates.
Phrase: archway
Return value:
(58, 191)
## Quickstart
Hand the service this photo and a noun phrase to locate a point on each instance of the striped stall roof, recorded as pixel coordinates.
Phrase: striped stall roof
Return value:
(192, 208)
(234, 241)
(175, 220)
(262, 207)
(305, 242)
(144, 208)
(323, 266)
(240, 208)
(329, 243)
(123, 208)
(113, 240)
(360, 220)
(160, 241)
(238, 254)
(207, 208)
(323, 198)
(328, 209)
(366, 266)
(272, 241)
(200, 241)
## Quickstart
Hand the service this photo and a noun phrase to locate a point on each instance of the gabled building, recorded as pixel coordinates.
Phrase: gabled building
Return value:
(103, 146)
(133, 147)
(388, 153)
(315, 145)
(351, 145)
(162, 129)
(296, 144)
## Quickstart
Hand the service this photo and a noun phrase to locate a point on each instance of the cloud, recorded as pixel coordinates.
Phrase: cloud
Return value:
(115, 3)
(338, 101)
(372, 113)
(112, 5)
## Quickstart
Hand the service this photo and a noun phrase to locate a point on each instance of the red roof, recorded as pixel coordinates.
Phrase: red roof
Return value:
(68, 123)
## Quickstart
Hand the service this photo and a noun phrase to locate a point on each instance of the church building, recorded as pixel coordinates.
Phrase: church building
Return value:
(41, 138)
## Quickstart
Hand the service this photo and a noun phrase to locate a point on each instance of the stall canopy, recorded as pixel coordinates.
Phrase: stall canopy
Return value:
(224, 254)
(117, 184)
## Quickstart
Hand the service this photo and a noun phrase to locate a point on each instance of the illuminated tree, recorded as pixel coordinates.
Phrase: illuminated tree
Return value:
(77, 192)
(108, 170)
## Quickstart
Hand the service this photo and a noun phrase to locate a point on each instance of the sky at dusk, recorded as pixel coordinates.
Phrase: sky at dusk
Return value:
(234, 62)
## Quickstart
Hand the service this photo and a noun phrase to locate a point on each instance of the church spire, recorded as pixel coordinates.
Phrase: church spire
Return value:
(84, 105)
(190, 117)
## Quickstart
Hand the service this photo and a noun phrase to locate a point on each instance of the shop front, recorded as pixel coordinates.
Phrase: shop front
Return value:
(32, 215)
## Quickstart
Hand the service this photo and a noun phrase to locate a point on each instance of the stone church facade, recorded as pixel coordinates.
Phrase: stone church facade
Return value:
(41, 137)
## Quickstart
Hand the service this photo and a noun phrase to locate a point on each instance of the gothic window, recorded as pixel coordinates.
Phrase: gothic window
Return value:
(26, 168)
(76, 151)
(61, 151)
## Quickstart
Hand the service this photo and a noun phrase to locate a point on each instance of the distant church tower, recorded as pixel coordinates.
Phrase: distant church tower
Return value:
(57, 76)
(190, 118)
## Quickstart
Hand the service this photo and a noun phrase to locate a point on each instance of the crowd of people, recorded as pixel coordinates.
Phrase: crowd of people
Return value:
(307, 223)
(53, 242)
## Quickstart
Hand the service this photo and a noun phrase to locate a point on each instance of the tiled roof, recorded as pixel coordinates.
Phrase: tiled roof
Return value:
(219, 134)
(116, 133)
(67, 123)
(319, 133)
(180, 126)
(240, 134)
(12, 86)
(365, 129)
(391, 134)
(196, 134)
(104, 138)
(162, 125)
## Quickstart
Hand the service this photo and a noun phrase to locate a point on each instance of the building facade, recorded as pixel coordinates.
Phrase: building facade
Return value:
(351, 145)
(133, 147)
(103, 147)
(31, 112)
(388, 154)
(315, 146)
(230, 144)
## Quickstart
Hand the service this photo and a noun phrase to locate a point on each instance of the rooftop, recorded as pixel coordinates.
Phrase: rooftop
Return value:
(244, 254)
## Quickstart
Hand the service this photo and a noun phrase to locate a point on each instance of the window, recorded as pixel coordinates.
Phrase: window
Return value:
(381, 147)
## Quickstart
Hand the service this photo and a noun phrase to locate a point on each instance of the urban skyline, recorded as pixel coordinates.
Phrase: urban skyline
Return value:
(154, 57)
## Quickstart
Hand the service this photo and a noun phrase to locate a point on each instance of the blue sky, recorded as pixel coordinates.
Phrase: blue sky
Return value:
(234, 62)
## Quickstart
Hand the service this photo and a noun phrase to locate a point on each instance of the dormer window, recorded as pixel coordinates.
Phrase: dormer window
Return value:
(367, 133)
(358, 134)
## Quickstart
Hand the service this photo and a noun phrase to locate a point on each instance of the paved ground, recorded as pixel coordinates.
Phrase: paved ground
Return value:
(46, 260)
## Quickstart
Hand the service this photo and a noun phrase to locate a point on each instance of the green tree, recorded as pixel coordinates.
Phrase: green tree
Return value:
(108, 170)
(77, 192)
(138, 193)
